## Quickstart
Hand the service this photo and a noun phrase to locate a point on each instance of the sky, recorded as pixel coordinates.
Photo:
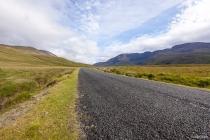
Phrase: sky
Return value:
(91, 31)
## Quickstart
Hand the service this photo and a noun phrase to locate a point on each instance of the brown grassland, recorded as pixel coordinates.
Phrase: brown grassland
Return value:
(189, 75)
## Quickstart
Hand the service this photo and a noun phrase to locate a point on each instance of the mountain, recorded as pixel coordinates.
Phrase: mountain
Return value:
(188, 53)
(13, 56)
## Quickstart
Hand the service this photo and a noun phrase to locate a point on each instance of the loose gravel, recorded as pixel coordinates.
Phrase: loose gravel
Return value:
(123, 108)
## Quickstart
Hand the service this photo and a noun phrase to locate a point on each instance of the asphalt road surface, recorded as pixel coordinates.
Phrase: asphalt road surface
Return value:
(122, 108)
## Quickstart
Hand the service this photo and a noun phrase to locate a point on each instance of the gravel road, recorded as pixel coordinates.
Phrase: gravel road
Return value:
(123, 108)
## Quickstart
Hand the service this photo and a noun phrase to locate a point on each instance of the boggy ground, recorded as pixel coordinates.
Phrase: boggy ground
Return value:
(119, 107)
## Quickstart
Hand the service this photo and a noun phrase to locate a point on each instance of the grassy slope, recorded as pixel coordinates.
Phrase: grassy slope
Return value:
(28, 56)
(52, 118)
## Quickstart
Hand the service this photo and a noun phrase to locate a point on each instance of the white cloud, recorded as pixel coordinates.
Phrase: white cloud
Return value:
(123, 15)
(39, 24)
(109, 17)
(191, 25)
(71, 29)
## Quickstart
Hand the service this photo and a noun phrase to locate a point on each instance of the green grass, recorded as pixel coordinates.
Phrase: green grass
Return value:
(20, 84)
(52, 118)
(190, 75)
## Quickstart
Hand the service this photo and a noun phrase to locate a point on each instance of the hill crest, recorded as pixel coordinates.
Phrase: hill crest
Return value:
(13, 56)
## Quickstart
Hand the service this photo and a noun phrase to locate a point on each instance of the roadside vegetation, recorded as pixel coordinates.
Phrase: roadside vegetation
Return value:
(54, 117)
(37, 94)
(190, 75)
(21, 84)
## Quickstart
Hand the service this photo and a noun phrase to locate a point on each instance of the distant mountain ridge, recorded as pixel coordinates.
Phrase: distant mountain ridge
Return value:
(188, 53)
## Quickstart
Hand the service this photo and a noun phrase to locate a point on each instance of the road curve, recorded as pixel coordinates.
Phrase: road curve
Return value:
(122, 108)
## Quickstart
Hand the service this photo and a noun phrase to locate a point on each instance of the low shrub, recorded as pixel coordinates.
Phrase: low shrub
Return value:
(8, 90)
(141, 75)
(138, 75)
(115, 71)
(161, 74)
(167, 79)
(27, 86)
(203, 83)
(19, 98)
(12, 89)
(150, 76)
(41, 81)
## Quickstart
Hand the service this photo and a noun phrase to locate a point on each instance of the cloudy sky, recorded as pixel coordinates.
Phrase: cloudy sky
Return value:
(91, 31)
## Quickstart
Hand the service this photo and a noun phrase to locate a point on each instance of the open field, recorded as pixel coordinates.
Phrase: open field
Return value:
(190, 75)
(54, 117)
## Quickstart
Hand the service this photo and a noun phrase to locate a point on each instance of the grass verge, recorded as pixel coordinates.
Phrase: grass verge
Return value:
(52, 118)
(189, 75)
